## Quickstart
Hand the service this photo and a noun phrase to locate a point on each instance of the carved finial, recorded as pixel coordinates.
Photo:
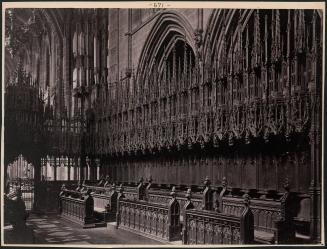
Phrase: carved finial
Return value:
(173, 192)
(121, 188)
(246, 200)
(224, 182)
(188, 194)
(286, 184)
(141, 179)
(207, 181)
(63, 186)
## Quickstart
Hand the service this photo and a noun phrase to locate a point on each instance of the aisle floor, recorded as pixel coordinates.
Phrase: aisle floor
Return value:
(51, 229)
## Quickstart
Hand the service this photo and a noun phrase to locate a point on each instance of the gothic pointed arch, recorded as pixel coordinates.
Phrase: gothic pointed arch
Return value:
(53, 20)
(222, 22)
(169, 28)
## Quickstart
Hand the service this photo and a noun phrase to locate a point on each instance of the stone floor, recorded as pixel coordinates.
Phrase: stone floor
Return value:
(51, 229)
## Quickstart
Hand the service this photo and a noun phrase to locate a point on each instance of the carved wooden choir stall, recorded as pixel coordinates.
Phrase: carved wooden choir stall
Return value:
(77, 206)
(207, 216)
(235, 95)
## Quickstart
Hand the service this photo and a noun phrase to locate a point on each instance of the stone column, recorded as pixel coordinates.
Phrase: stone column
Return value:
(37, 178)
(315, 138)
(66, 69)
(55, 169)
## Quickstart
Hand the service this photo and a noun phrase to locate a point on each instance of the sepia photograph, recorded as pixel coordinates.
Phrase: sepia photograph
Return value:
(153, 124)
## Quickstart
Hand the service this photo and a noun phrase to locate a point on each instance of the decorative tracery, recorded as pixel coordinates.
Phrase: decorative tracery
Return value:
(255, 77)
(249, 76)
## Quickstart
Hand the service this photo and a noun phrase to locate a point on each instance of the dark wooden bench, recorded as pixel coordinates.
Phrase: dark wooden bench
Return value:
(134, 191)
(162, 196)
(159, 221)
(302, 219)
(153, 194)
(97, 189)
(105, 201)
(211, 227)
(131, 193)
(105, 205)
(271, 224)
(77, 207)
(200, 200)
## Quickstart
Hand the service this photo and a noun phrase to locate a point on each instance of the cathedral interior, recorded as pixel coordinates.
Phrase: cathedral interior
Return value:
(163, 126)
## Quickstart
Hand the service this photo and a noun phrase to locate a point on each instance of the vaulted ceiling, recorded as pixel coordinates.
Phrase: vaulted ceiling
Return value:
(22, 25)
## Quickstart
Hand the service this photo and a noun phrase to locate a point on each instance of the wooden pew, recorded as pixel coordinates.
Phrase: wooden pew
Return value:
(72, 193)
(131, 193)
(200, 200)
(302, 218)
(162, 196)
(98, 189)
(105, 201)
(102, 187)
(105, 205)
(217, 199)
(272, 221)
(151, 193)
(136, 192)
(211, 227)
(77, 207)
(159, 221)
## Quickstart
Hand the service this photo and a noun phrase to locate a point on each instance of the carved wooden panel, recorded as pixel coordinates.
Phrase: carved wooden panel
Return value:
(205, 227)
(149, 218)
(265, 212)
